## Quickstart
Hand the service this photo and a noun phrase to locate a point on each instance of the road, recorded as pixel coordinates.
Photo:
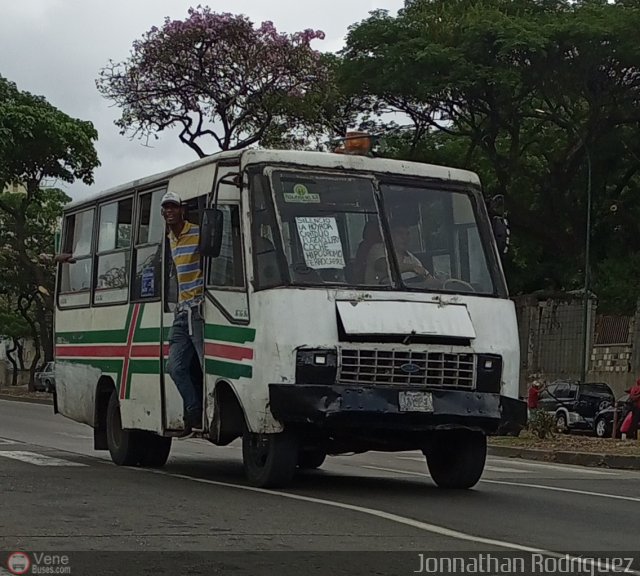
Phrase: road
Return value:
(58, 494)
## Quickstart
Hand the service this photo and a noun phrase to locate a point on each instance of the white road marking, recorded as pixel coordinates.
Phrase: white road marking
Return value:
(72, 435)
(7, 441)
(523, 485)
(563, 468)
(37, 459)
(570, 490)
(487, 467)
(424, 526)
(506, 470)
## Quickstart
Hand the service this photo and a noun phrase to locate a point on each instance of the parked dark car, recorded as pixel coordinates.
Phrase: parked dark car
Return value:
(45, 380)
(574, 404)
(603, 426)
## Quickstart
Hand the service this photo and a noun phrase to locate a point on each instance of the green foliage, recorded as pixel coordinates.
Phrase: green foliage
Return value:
(12, 324)
(38, 143)
(535, 97)
(541, 423)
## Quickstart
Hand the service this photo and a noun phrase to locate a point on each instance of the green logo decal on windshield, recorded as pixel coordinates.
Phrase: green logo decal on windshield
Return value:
(301, 195)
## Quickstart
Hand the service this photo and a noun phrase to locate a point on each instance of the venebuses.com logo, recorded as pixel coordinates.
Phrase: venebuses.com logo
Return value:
(20, 563)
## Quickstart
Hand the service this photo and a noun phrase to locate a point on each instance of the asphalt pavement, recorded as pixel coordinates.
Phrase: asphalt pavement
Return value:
(58, 495)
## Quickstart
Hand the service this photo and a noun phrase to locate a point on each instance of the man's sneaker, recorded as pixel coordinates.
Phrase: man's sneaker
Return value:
(195, 423)
(188, 432)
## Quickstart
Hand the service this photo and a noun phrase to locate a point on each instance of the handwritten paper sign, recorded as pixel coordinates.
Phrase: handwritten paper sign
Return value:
(320, 242)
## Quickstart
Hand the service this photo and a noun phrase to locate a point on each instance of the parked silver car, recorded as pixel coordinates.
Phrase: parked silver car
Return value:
(46, 379)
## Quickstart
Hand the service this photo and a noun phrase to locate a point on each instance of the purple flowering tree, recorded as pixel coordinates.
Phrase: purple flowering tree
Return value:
(215, 77)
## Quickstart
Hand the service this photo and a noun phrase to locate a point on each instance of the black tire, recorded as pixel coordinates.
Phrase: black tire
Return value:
(311, 459)
(154, 450)
(456, 458)
(561, 423)
(270, 460)
(48, 386)
(124, 445)
(601, 429)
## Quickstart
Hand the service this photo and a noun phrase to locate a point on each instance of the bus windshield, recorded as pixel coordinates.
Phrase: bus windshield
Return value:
(335, 232)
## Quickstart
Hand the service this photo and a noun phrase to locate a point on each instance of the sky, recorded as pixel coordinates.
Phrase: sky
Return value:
(55, 48)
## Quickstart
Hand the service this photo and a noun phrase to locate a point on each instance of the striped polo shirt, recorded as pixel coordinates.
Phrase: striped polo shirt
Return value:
(185, 251)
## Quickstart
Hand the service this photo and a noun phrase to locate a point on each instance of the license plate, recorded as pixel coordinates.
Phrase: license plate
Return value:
(415, 401)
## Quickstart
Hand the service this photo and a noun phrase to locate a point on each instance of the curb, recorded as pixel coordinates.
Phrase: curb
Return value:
(591, 459)
(26, 399)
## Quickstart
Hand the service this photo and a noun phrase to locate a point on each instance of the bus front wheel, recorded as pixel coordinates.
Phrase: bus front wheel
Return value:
(456, 458)
(123, 444)
(270, 460)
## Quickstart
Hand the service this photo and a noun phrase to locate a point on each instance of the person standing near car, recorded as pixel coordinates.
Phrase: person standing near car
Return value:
(535, 390)
(634, 398)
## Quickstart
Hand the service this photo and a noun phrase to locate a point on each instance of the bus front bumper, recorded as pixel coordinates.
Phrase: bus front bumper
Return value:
(395, 407)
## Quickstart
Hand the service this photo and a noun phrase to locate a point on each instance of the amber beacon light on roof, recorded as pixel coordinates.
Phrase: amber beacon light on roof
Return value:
(355, 143)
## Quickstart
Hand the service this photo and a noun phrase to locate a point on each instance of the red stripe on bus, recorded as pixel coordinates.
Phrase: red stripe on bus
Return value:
(145, 351)
(125, 367)
(228, 352)
(97, 351)
(110, 351)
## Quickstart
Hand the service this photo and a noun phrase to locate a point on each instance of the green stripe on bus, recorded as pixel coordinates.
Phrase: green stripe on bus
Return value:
(141, 367)
(234, 334)
(228, 369)
(147, 335)
(99, 336)
(92, 337)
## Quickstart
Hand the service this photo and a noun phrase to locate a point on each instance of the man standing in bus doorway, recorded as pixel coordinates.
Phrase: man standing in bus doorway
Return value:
(186, 339)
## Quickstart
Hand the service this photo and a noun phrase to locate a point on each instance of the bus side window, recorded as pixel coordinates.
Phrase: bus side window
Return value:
(148, 250)
(114, 252)
(227, 270)
(75, 279)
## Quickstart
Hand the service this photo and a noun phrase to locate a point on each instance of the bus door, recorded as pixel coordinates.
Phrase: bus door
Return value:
(228, 340)
(140, 392)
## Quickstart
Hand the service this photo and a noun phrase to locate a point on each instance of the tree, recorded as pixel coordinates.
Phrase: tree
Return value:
(215, 77)
(16, 329)
(325, 113)
(38, 144)
(525, 93)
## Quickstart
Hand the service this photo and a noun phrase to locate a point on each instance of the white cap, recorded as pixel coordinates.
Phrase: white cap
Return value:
(171, 198)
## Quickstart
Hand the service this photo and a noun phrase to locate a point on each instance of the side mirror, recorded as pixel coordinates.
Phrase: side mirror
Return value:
(502, 233)
(211, 232)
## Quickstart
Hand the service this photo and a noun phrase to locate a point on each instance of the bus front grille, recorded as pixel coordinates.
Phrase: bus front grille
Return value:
(407, 367)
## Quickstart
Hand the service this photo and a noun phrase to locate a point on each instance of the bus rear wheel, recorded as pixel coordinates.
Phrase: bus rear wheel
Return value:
(311, 459)
(269, 460)
(456, 458)
(154, 450)
(124, 445)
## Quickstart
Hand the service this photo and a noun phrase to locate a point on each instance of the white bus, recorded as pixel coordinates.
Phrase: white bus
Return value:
(352, 304)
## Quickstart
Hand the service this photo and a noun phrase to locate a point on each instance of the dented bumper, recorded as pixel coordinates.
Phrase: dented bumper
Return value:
(386, 407)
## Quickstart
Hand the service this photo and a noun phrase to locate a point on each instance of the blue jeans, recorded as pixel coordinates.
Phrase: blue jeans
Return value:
(183, 348)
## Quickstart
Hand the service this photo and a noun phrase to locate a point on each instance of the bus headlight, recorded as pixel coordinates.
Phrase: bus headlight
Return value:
(488, 373)
(317, 366)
